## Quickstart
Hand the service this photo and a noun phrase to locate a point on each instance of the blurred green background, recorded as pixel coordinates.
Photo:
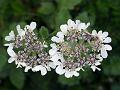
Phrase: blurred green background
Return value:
(102, 14)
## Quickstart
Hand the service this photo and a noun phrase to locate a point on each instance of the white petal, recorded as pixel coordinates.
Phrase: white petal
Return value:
(57, 63)
(12, 33)
(59, 70)
(23, 64)
(52, 52)
(53, 45)
(6, 44)
(36, 68)
(104, 53)
(94, 68)
(48, 68)
(86, 26)
(45, 46)
(55, 57)
(71, 24)
(64, 28)
(94, 32)
(7, 38)
(97, 63)
(10, 37)
(68, 74)
(10, 60)
(9, 44)
(32, 25)
(77, 22)
(52, 65)
(27, 27)
(27, 68)
(105, 34)
(55, 39)
(18, 27)
(83, 26)
(107, 40)
(108, 47)
(11, 52)
(43, 71)
(60, 35)
(77, 69)
(76, 73)
(99, 57)
(18, 64)
(21, 32)
(100, 33)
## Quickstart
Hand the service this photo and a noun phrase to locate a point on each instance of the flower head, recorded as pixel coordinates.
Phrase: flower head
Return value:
(104, 40)
(74, 48)
(27, 50)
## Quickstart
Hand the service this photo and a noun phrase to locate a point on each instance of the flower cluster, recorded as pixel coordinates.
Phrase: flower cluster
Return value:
(30, 51)
(73, 48)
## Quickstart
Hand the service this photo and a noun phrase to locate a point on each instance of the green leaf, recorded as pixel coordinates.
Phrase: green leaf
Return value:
(68, 4)
(17, 78)
(87, 74)
(68, 81)
(112, 66)
(84, 17)
(4, 88)
(46, 8)
(115, 87)
(62, 17)
(3, 58)
(18, 7)
(43, 33)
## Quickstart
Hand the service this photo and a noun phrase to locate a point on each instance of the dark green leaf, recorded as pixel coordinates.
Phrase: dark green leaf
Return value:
(65, 4)
(17, 78)
(84, 17)
(3, 58)
(62, 17)
(68, 81)
(112, 66)
(46, 8)
(115, 87)
(43, 33)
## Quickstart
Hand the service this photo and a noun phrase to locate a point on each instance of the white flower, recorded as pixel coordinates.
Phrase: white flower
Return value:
(11, 36)
(104, 50)
(43, 68)
(12, 54)
(27, 68)
(60, 69)
(40, 68)
(55, 55)
(81, 26)
(31, 27)
(97, 62)
(58, 38)
(93, 67)
(103, 36)
(71, 25)
(54, 49)
(21, 32)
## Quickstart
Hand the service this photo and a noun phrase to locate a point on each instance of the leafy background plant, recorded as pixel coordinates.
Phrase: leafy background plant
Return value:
(50, 14)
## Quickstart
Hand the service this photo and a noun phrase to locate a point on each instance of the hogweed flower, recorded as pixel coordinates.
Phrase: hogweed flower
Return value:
(74, 48)
(29, 52)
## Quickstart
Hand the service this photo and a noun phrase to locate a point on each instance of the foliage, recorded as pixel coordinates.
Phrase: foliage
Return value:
(101, 14)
